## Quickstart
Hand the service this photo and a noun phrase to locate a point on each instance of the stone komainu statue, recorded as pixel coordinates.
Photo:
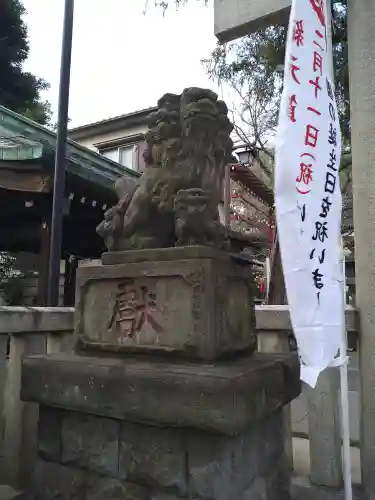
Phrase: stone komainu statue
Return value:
(176, 200)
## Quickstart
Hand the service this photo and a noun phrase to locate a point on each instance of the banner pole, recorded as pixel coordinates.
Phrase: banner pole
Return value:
(344, 387)
(345, 394)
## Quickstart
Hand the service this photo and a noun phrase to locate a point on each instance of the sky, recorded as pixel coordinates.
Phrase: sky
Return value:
(122, 60)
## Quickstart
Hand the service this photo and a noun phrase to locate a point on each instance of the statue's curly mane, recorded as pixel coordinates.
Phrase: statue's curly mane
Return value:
(197, 119)
(188, 146)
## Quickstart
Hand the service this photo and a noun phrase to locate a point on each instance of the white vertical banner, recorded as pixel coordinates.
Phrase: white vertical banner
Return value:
(307, 190)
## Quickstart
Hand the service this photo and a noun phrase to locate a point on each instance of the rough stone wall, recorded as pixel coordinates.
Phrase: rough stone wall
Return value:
(85, 457)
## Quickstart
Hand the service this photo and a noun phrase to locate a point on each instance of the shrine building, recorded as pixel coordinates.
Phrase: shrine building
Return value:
(27, 152)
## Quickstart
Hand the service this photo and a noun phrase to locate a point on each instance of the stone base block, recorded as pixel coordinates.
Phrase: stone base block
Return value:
(92, 457)
(193, 301)
(226, 397)
(151, 430)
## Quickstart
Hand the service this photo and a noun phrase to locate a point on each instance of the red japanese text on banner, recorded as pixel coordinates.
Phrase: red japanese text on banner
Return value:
(307, 191)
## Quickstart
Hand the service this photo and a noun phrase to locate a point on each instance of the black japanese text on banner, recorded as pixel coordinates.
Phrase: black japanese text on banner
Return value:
(307, 191)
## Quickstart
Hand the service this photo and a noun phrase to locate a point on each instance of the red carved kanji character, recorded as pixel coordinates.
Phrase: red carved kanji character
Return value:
(124, 312)
(298, 33)
(313, 110)
(318, 6)
(292, 108)
(145, 310)
(293, 69)
(318, 63)
(305, 174)
(315, 83)
(311, 136)
(134, 306)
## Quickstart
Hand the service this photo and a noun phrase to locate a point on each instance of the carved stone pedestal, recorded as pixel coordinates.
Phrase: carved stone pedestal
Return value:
(145, 429)
(194, 302)
(171, 415)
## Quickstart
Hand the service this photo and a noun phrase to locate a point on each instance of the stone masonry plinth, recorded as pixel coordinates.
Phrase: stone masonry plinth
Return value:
(147, 429)
(164, 398)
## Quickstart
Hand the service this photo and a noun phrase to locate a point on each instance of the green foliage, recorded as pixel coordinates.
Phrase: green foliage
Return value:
(255, 61)
(249, 69)
(252, 66)
(12, 279)
(19, 90)
(341, 68)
